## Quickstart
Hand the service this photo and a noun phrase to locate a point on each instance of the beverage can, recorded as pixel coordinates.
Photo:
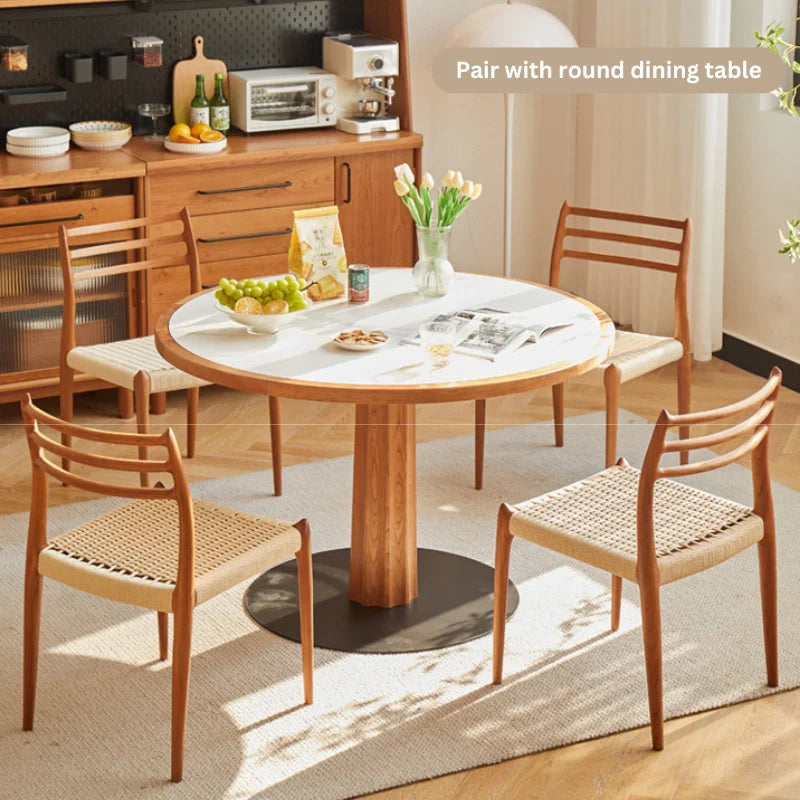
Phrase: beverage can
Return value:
(358, 283)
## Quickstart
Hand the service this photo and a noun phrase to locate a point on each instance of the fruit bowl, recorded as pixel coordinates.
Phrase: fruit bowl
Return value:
(196, 149)
(260, 323)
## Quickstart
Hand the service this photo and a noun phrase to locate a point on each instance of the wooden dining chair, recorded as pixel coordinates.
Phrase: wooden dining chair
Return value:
(634, 354)
(653, 531)
(162, 551)
(144, 244)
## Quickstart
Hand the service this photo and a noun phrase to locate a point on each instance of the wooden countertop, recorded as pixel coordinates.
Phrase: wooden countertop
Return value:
(140, 157)
(75, 166)
(265, 147)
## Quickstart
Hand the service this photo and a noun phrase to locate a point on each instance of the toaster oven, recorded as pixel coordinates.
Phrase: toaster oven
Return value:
(282, 98)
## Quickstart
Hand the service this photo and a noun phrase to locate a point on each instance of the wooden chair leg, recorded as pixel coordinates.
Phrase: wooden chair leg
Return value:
(502, 555)
(480, 440)
(651, 633)
(558, 413)
(158, 403)
(30, 648)
(192, 406)
(685, 397)
(181, 658)
(125, 403)
(163, 635)
(305, 581)
(616, 601)
(67, 405)
(767, 568)
(275, 444)
(141, 394)
(611, 379)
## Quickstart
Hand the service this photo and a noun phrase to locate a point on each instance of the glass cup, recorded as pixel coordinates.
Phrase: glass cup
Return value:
(438, 340)
(155, 111)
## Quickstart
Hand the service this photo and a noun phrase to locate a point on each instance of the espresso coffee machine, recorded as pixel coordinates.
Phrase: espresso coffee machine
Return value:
(365, 67)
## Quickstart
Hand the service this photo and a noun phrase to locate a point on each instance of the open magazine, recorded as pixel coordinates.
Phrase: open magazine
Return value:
(491, 333)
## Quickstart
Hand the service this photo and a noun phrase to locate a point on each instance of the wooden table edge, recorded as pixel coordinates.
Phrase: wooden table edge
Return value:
(373, 394)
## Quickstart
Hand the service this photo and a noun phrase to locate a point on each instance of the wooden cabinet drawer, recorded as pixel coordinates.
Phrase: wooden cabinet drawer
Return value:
(215, 191)
(23, 227)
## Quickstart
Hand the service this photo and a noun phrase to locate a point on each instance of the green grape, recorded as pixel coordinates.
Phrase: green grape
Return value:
(283, 285)
(300, 305)
(256, 291)
(294, 297)
(271, 287)
(241, 285)
(229, 290)
(223, 282)
(301, 283)
(238, 294)
(261, 285)
(291, 282)
(277, 295)
(248, 291)
(249, 283)
(221, 297)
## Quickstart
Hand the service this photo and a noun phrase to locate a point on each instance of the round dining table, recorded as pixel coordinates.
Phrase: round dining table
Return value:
(385, 384)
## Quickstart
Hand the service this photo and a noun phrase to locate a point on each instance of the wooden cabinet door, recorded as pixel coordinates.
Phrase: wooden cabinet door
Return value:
(377, 228)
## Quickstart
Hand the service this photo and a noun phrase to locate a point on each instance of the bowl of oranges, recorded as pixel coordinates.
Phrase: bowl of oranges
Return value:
(199, 138)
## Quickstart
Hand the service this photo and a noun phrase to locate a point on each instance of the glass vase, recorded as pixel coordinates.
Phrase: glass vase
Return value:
(433, 274)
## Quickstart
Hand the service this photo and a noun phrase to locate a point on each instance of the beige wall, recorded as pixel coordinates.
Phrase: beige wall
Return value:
(762, 288)
(466, 132)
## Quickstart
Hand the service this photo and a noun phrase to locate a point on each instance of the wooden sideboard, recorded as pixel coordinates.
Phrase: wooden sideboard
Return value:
(241, 202)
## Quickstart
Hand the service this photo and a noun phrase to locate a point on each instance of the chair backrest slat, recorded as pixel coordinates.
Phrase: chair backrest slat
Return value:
(639, 219)
(125, 244)
(723, 460)
(626, 261)
(129, 266)
(623, 238)
(122, 225)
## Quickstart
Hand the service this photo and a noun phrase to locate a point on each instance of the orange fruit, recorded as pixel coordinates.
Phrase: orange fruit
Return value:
(180, 129)
(247, 305)
(276, 307)
(198, 128)
(211, 136)
(188, 139)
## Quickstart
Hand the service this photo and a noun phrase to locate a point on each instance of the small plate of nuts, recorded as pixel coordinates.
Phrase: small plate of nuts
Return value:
(360, 340)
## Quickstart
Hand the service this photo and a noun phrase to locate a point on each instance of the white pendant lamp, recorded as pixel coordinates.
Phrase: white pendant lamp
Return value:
(510, 25)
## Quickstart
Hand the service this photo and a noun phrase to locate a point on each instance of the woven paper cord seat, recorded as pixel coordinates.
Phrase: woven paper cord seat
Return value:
(126, 554)
(118, 363)
(636, 354)
(594, 521)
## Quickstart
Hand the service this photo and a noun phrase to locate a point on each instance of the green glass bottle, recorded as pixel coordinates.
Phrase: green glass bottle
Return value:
(199, 110)
(220, 108)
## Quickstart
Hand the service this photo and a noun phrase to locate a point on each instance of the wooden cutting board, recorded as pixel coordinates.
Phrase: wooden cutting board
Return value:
(184, 75)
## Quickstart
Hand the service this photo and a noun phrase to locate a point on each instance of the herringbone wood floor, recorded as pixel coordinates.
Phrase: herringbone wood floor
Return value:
(742, 752)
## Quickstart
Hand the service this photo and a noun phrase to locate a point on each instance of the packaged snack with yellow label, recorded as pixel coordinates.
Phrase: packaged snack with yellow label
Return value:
(316, 252)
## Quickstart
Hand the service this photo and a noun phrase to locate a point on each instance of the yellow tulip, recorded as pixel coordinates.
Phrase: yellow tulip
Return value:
(476, 191)
(467, 188)
(427, 181)
(401, 188)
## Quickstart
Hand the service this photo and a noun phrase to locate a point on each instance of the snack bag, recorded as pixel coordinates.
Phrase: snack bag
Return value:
(316, 252)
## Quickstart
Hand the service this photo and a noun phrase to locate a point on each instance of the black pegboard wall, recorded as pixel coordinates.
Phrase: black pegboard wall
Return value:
(282, 34)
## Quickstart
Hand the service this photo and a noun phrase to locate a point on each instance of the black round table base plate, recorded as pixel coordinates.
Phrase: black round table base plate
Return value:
(455, 605)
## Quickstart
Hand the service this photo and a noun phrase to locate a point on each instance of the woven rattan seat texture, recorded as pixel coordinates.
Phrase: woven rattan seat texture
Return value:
(130, 554)
(118, 363)
(594, 521)
(636, 354)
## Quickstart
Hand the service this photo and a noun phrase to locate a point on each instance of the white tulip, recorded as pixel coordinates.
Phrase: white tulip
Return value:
(476, 191)
(404, 173)
(401, 188)
(427, 181)
(448, 179)
(467, 188)
(458, 181)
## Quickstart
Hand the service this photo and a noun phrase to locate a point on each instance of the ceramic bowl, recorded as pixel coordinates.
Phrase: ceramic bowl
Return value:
(204, 148)
(261, 323)
(38, 136)
(38, 152)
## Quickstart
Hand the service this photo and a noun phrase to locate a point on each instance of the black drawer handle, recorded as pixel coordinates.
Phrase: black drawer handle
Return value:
(284, 185)
(44, 221)
(245, 236)
(349, 182)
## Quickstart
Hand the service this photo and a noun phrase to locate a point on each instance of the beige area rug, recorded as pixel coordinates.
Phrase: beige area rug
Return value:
(102, 725)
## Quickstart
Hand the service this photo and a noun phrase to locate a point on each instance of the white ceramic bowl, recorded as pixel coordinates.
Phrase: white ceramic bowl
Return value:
(38, 152)
(91, 144)
(38, 136)
(99, 128)
(262, 323)
(205, 148)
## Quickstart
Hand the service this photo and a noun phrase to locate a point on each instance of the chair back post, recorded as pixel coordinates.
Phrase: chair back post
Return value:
(37, 522)
(558, 246)
(192, 256)
(69, 308)
(682, 289)
(183, 598)
(646, 562)
(759, 467)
